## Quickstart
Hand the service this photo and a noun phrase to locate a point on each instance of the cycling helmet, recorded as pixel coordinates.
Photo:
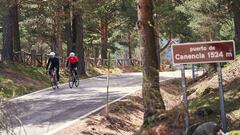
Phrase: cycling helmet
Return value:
(52, 54)
(72, 54)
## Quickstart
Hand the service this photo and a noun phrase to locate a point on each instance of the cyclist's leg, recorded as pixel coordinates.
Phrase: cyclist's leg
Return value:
(57, 72)
(50, 71)
(72, 73)
(71, 69)
(75, 69)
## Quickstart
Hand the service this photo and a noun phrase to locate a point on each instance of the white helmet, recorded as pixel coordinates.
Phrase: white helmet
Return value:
(52, 54)
(72, 54)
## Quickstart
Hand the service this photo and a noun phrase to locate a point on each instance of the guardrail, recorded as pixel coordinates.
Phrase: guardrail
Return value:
(35, 59)
(114, 62)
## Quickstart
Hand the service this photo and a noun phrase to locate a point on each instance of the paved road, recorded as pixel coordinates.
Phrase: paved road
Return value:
(47, 111)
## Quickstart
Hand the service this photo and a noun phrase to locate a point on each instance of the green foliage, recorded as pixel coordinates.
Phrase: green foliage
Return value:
(208, 19)
(171, 22)
(227, 29)
(34, 72)
(8, 89)
(189, 20)
(14, 91)
(5, 80)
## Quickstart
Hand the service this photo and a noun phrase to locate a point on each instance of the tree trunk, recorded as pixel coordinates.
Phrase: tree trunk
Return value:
(8, 36)
(236, 13)
(157, 49)
(68, 28)
(130, 49)
(152, 99)
(16, 33)
(57, 45)
(74, 31)
(79, 40)
(59, 41)
(11, 36)
(129, 46)
(104, 38)
(96, 55)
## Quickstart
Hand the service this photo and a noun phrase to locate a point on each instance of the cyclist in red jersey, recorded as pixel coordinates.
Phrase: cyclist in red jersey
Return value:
(72, 62)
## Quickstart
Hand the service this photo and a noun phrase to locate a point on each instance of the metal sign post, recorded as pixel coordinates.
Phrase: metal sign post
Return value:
(221, 95)
(184, 93)
(193, 72)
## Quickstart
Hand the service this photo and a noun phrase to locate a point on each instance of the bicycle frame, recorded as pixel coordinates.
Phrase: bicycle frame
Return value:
(73, 78)
(53, 78)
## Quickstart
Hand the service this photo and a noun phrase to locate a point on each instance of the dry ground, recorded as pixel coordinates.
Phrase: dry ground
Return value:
(22, 80)
(126, 116)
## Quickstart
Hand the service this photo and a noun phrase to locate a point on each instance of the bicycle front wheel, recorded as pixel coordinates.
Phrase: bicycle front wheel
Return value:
(53, 83)
(71, 81)
(76, 81)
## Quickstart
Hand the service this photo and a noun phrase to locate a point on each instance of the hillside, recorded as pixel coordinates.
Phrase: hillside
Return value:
(206, 93)
(204, 96)
(16, 80)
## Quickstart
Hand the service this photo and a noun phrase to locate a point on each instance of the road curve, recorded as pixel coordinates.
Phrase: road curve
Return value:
(46, 111)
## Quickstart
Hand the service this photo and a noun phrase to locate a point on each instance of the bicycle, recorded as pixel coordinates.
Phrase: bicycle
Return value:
(73, 78)
(53, 78)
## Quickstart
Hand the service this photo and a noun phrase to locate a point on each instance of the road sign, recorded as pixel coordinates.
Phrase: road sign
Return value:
(203, 52)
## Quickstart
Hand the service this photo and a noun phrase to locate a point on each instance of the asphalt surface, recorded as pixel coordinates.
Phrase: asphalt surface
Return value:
(48, 111)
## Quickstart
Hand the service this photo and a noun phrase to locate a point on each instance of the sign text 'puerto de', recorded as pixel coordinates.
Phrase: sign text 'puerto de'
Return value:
(203, 52)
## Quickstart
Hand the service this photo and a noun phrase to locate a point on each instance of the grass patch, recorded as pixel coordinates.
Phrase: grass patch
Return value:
(211, 100)
(14, 91)
(8, 89)
(34, 72)
(17, 80)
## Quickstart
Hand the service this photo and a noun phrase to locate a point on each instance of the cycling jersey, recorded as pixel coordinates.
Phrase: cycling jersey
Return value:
(53, 63)
(73, 63)
(73, 60)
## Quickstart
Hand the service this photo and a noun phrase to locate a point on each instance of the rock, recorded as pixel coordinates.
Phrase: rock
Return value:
(205, 91)
(208, 128)
(191, 129)
(204, 111)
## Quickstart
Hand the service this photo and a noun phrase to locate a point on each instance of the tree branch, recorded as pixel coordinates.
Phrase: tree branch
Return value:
(167, 45)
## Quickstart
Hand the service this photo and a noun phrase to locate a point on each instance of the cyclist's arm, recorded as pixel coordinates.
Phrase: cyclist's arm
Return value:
(77, 60)
(48, 64)
(57, 63)
(67, 64)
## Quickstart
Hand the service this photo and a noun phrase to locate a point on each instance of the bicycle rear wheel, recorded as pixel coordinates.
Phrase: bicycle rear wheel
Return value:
(53, 84)
(55, 81)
